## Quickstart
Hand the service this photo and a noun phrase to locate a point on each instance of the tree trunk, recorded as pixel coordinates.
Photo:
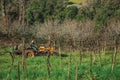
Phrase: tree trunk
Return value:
(3, 8)
(22, 12)
(4, 17)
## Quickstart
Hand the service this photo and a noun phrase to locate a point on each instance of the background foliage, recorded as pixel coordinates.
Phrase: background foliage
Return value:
(36, 13)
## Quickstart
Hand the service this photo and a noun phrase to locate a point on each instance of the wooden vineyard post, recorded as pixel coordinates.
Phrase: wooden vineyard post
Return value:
(60, 55)
(114, 57)
(99, 54)
(26, 73)
(93, 56)
(18, 71)
(80, 57)
(12, 57)
(48, 64)
(91, 63)
(76, 77)
(69, 63)
(23, 55)
(24, 63)
(104, 48)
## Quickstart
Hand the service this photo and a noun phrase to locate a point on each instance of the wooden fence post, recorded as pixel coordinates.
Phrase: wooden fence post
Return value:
(104, 48)
(24, 63)
(99, 54)
(12, 57)
(60, 56)
(69, 63)
(23, 54)
(114, 58)
(76, 77)
(91, 63)
(80, 57)
(18, 71)
(100, 62)
(48, 64)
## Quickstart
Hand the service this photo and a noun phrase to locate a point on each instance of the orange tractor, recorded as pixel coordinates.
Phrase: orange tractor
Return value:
(41, 50)
(34, 50)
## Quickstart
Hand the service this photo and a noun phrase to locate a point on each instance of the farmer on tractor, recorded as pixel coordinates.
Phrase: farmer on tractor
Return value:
(33, 46)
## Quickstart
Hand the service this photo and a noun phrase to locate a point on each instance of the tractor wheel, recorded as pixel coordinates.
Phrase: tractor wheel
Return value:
(30, 54)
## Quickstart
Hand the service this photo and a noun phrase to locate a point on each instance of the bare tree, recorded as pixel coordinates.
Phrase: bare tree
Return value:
(21, 11)
(6, 22)
(86, 29)
(48, 31)
(70, 32)
(4, 15)
(114, 32)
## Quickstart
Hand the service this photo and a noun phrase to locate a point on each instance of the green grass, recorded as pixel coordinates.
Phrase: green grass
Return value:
(37, 69)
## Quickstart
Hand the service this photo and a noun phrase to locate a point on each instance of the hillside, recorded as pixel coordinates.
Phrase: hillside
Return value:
(77, 1)
(40, 19)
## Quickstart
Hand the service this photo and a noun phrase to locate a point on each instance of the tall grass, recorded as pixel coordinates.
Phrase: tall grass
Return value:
(37, 69)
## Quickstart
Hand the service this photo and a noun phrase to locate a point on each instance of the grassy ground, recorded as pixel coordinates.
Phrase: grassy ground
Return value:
(36, 68)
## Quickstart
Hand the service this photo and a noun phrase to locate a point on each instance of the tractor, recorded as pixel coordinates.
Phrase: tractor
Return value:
(34, 50)
(40, 51)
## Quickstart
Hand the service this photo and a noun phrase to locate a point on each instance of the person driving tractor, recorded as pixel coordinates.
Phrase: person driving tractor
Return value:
(33, 45)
